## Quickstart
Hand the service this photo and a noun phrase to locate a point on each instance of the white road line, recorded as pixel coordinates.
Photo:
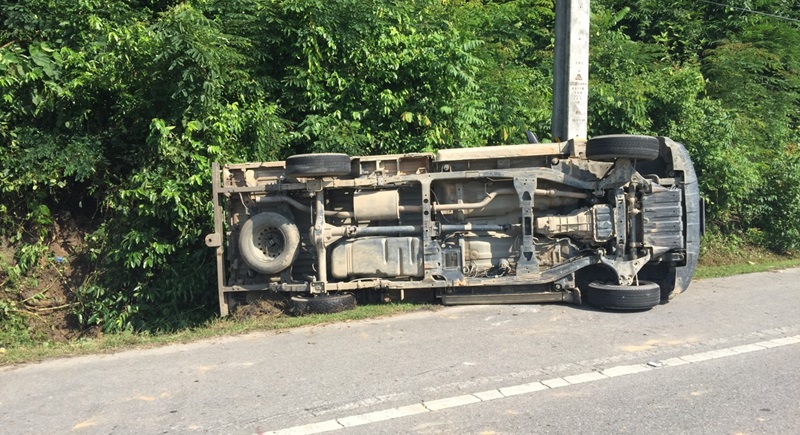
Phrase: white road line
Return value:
(489, 395)
(450, 402)
(555, 383)
(626, 370)
(527, 388)
(584, 377)
(516, 390)
(386, 414)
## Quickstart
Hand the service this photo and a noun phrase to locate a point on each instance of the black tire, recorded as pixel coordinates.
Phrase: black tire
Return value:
(268, 242)
(622, 146)
(322, 304)
(318, 165)
(644, 296)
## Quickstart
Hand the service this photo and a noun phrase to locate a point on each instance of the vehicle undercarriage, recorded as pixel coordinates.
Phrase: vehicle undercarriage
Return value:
(614, 220)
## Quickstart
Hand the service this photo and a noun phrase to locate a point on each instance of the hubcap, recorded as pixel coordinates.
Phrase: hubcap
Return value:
(270, 241)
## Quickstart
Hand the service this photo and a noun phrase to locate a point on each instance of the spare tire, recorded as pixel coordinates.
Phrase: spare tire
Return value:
(622, 146)
(322, 304)
(269, 242)
(318, 165)
(644, 296)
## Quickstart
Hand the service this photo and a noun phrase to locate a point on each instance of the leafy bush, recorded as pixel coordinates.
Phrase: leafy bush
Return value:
(728, 87)
(779, 216)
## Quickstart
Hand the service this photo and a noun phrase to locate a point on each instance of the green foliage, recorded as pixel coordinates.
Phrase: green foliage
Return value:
(515, 80)
(373, 77)
(722, 81)
(729, 179)
(780, 203)
(622, 73)
(16, 276)
(122, 110)
(13, 325)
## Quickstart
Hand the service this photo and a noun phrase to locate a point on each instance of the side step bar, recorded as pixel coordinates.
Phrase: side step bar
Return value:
(510, 298)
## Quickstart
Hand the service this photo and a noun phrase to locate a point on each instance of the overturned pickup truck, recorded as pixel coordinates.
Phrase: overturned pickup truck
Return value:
(614, 221)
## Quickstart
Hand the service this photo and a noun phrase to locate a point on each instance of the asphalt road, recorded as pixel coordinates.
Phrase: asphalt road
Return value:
(719, 359)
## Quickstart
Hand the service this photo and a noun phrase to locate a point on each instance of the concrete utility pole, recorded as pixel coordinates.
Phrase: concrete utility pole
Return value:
(571, 70)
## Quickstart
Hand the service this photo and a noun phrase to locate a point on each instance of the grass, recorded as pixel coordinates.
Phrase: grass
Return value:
(732, 256)
(738, 269)
(717, 260)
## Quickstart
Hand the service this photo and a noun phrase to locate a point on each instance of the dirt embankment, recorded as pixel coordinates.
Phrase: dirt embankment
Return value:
(41, 295)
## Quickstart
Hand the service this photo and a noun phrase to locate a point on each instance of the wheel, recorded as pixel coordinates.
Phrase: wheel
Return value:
(318, 165)
(269, 242)
(622, 146)
(322, 304)
(644, 296)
